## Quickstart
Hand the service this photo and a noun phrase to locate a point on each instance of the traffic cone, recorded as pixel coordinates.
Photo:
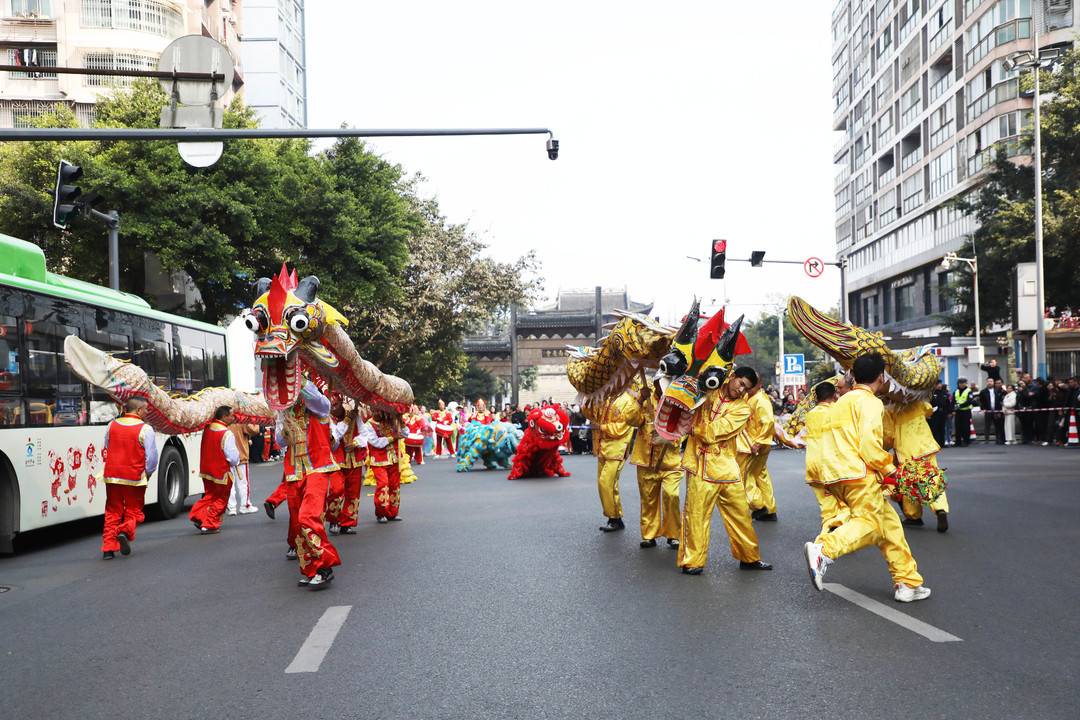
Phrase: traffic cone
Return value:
(1074, 437)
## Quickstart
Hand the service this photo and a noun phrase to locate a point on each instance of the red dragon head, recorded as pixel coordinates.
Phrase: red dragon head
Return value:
(551, 424)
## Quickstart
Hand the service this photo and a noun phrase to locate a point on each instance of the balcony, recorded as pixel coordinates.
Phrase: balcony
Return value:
(941, 35)
(18, 30)
(1004, 33)
(908, 27)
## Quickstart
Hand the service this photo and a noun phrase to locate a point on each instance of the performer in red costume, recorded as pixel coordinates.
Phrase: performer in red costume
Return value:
(218, 459)
(131, 456)
(381, 433)
(305, 430)
(445, 431)
(335, 499)
(414, 437)
(483, 415)
(355, 447)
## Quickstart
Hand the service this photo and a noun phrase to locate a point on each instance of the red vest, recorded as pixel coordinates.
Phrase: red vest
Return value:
(213, 465)
(339, 451)
(125, 463)
(315, 452)
(354, 456)
(380, 457)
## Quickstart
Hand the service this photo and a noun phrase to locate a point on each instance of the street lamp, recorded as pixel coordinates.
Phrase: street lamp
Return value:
(973, 263)
(1034, 60)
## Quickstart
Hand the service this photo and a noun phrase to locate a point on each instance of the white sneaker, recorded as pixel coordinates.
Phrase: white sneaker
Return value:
(906, 594)
(248, 510)
(232, 512)
(816, 564)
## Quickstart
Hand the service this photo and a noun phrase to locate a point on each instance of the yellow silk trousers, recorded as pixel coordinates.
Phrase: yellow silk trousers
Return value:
(755, 474)
(730, 498)
(833, 514)
(607, 482)
(659, 490)
(872, 522)
(913, 508)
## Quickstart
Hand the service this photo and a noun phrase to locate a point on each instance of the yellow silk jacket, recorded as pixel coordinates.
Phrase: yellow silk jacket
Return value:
(648, 451)
(710, 450)
(907, 432)
(852, 447)
(759, 428)
(817, 423)
(612, 427)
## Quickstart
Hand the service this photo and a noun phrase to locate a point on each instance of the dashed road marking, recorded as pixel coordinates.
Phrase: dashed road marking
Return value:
(882, 610)
(318, 642)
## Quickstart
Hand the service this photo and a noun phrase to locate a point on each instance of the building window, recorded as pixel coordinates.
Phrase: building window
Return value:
(943, 292)
(110, 60)
(912, 192)
(941, 124)
(150, 16)
(1003, 130)
(870, 311)
(30, 57)
(943, 173)
(1005, 21)
(31, 8)
(911, 103)
(24, 113)
(990, 87)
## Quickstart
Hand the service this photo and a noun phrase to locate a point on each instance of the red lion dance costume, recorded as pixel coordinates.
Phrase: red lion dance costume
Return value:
(538, 452)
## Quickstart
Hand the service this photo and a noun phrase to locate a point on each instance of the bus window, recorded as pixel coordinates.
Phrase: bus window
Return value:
(10, 412)
(154, 355)
(47, 375)
(102, 407)
(217, 364)
(10, 381)
(189, 359)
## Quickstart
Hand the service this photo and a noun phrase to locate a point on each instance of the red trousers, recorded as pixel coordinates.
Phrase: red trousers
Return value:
(210, 508)
(294, 493)
(444, 443)
(387, 490)
(354, 478)
(335, 496)
(416, 453)
(280, 494)
(313, 547)
(123, 511)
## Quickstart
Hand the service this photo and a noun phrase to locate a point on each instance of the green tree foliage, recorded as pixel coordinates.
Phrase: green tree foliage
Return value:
(409, 282)
(475, 382)
(527, 378)
(1005, 209)
(761, 333)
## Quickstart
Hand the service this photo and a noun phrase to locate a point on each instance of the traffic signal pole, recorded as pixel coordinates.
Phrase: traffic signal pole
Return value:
(112, 221)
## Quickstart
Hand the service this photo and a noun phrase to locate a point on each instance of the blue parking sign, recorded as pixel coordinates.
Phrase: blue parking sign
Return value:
(794, 364)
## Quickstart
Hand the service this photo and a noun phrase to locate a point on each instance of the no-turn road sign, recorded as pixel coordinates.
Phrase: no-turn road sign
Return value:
(813, 267)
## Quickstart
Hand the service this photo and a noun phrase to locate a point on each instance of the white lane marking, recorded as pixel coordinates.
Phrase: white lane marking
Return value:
(318, 643)
(880, 609)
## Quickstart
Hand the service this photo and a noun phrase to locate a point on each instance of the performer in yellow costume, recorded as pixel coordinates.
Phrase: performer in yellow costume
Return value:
(753, 445)
(908, 433)
(612, 433)
(659, 473)
(833, 512)
(854, 462)
(713, 479)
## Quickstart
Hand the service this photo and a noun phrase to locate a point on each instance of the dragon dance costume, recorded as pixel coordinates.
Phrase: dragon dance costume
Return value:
(295, 332)
(659, 475)
(612, 433)
(833, 513)
(384, 463)
(753, 445)
(907, 431)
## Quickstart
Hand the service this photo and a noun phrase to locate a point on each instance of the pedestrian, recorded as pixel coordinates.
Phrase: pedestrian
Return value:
(752, 453)
(130, 461)
(659, 473)
(963, 401)
(713, 481)
(993, 372)
(939, 402)
(853, 466)
(240, 494)
(1009, 405)
(990, 400)
(218, 459)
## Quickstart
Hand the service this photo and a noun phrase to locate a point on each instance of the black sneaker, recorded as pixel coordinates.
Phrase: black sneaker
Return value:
(759, 565)
(304, 581)
(348, 531)
(334, 529)
(942, 521)
(125, 544)
(291, 554)
(613, 524)
(693, 571)
(381, 520)
(269, 508)
(648, 543)
(396, 518)
(673, 542)
(766, 517)
(756, 514)
(108, 555)
(322, 579)
(913, 522)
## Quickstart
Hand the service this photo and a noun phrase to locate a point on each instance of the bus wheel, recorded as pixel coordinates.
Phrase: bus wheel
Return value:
(172, 486)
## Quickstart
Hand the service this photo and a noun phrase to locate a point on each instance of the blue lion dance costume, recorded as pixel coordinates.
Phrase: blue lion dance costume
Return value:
(493, 444)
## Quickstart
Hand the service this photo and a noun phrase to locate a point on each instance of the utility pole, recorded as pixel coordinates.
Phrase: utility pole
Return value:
(515, 371)
(112, 221)
(780, 356)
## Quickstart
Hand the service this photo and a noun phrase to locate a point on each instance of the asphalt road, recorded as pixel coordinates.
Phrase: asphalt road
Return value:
(501, 599)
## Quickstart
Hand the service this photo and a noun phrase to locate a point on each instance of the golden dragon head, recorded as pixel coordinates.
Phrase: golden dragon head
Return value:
(911, 373)
(604, 372)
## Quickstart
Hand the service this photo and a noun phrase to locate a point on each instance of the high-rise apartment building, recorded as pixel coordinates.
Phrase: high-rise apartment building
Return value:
(124, 34)
(275, 67)
(924, 101)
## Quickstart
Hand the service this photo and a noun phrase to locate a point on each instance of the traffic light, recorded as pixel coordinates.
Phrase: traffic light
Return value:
(65, 194)
(719, 255)
(757, 257)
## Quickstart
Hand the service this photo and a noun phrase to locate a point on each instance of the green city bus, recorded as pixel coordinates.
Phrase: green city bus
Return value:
(52, 424)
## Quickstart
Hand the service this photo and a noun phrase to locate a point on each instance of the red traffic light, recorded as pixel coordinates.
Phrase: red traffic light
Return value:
(719, 246)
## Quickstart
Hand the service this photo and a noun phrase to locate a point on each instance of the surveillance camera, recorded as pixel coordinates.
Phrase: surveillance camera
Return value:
(553, 149)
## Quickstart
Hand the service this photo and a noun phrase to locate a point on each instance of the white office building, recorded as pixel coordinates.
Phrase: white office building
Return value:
(923, 102)
(102, 34)
(275, 75)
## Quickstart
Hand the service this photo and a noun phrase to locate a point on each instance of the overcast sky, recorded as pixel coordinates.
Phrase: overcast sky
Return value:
(679, 123)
